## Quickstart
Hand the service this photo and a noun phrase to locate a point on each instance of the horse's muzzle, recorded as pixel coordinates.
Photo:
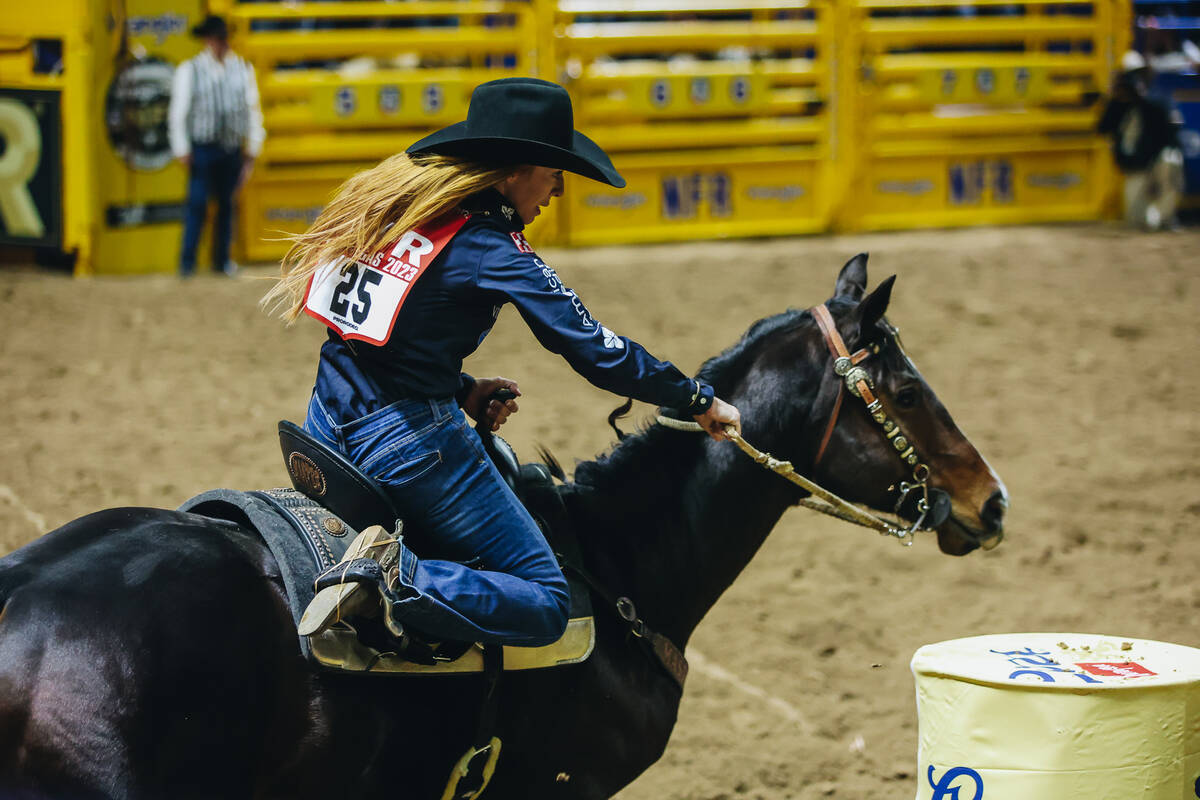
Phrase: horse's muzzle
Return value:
(957, 538)
(992, 517)
(993, 511)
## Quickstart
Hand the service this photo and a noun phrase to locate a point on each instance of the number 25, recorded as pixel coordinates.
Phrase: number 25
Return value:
(342, 306)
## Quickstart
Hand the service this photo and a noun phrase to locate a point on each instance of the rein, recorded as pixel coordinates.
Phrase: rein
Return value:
(856, 381)
(828, 502)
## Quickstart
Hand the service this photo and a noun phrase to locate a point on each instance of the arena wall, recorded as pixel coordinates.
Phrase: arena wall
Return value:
(728, 119)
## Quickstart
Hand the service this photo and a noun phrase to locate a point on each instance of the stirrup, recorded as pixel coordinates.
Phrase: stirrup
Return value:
(337, 598)
(408, 644)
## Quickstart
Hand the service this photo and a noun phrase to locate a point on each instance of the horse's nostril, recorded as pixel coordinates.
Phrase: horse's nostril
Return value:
(993, 510)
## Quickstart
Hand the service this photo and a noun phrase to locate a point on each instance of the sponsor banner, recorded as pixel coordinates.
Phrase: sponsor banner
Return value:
(137, 214)
(30, 168)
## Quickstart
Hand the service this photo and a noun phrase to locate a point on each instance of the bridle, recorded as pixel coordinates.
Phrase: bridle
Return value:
(856, 381)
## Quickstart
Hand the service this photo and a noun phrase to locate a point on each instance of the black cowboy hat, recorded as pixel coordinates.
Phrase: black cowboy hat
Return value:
(212, 26)
(522, 121)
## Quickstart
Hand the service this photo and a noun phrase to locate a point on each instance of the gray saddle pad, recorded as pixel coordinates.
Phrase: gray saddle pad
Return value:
(304, 537)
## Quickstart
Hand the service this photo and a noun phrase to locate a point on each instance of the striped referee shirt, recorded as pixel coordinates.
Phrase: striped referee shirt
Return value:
(215, 102)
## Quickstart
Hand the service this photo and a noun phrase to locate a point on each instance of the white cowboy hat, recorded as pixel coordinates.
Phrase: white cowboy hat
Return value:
(1132, 61)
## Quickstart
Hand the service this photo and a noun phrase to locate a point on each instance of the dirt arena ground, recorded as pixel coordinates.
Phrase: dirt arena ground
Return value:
(1067, 354)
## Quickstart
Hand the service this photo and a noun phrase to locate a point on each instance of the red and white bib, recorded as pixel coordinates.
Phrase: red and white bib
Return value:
(363, 300)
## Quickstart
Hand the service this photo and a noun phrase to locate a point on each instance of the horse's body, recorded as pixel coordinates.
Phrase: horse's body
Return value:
(151, 654)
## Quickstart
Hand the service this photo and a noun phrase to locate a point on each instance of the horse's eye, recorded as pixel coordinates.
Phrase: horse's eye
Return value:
(907, 397)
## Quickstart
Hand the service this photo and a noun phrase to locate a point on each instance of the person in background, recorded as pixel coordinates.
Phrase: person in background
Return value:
(1145, 134)
(216, 130)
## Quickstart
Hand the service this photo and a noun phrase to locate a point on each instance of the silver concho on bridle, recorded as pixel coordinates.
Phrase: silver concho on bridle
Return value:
(843, 366)
(855, 377)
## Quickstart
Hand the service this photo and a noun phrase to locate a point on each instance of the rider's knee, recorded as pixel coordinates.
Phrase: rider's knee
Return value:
(552, 621)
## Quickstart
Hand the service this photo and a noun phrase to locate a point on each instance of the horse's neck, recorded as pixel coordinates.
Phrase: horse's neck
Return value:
(674, 517)
(734, 504)
(677, 534)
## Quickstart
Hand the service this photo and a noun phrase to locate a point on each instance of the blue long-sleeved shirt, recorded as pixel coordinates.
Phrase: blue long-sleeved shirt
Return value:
(453, 306)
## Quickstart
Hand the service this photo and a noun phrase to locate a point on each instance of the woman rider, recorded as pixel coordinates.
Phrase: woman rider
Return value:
(436, 235)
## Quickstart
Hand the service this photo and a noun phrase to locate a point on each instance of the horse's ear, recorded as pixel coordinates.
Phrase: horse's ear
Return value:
(873, 307)
(852, 280)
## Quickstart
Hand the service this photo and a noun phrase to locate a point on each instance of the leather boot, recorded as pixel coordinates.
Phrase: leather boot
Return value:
(351, 586)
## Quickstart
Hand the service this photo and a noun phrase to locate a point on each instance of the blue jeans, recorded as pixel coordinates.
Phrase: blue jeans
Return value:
(214, 173)
(494, 577)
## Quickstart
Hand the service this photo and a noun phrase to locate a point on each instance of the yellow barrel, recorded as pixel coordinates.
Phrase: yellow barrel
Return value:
(1051, 716)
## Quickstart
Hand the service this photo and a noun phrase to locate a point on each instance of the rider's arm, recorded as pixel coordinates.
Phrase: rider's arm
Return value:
(563, 325)
(465, 384)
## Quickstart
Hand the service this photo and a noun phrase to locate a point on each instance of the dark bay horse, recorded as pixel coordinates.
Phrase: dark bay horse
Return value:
(147, 653)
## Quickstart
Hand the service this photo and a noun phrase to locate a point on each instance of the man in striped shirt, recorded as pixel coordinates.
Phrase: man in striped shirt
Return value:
(216, 130)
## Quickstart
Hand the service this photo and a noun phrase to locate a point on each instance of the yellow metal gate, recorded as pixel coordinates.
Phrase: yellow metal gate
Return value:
(728, 118)
(983, 112)
(719, 115)
(346, 84)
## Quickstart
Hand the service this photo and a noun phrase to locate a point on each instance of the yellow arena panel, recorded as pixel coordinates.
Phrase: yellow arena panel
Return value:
(977, 113)
(700, 195)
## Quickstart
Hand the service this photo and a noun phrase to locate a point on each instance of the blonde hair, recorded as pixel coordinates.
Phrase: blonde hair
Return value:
(402, 192)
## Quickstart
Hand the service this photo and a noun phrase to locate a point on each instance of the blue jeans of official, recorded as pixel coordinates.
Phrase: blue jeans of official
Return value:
(493, 577)
(214, 173)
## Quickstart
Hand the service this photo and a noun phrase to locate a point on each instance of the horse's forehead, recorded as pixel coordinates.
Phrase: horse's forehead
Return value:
(891, 336)
(891, 346)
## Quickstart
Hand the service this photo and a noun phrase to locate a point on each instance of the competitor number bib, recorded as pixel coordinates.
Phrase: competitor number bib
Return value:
(362, 299)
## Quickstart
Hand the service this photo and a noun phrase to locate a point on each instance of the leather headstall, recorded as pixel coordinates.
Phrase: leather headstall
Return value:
(845, 365)
(856, 380)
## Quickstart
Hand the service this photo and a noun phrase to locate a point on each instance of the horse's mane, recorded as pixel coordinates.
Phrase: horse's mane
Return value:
(723, 370)
(657, 450)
